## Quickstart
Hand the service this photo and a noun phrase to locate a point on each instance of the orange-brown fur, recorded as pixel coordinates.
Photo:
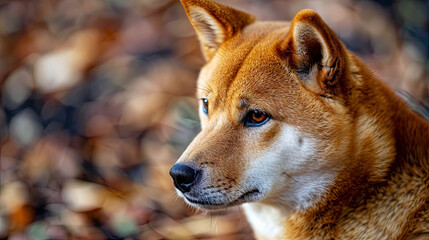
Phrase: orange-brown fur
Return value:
(379, 147)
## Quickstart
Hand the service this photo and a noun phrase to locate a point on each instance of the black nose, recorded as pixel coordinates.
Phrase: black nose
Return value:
(184, 176)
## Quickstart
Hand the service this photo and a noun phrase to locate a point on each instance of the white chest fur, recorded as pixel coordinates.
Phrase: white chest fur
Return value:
(266, 221)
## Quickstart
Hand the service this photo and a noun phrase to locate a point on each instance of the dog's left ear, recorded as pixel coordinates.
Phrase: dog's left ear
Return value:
(214, 23)
(316, 54)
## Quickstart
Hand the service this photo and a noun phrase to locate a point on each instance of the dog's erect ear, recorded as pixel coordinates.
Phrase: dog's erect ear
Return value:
(214, 23)
(317, 55)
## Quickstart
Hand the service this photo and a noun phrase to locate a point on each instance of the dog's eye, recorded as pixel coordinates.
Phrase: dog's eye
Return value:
(256, 118)
(205, 105)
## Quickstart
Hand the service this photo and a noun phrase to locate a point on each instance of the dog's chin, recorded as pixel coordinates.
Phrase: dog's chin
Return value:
(207, 204)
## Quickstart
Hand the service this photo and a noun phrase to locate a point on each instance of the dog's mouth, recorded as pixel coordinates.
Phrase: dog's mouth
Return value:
(249, 196)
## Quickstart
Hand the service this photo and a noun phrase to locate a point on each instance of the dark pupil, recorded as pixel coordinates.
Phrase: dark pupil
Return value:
(258, 116)
(206, 103)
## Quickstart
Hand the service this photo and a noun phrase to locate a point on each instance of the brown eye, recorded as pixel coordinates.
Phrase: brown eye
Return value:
(256, 118)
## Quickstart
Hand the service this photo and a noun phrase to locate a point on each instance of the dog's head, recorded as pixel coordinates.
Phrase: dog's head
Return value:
(272, 106)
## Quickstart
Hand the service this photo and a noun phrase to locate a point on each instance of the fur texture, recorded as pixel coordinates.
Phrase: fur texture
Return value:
(342, 157)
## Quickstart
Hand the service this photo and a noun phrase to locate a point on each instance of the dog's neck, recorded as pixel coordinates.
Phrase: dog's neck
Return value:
(382, 114)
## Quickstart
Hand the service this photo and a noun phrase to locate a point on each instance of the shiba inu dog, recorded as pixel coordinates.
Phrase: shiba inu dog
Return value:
(297, 130)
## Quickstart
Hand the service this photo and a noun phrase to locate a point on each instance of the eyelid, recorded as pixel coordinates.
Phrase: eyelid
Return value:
(248, 110)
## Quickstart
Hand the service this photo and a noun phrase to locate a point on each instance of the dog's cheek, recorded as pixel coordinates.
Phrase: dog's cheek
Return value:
(282, 152)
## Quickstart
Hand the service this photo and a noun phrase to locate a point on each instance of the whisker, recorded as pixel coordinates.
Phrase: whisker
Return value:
(291, 177)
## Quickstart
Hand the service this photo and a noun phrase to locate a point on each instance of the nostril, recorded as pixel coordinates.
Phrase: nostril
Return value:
(183, 176)
(186, 178)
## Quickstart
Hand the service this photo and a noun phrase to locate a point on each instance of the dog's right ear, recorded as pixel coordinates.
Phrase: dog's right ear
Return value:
(214, 23)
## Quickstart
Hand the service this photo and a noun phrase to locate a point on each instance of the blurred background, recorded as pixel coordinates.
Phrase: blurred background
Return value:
(98, 103)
